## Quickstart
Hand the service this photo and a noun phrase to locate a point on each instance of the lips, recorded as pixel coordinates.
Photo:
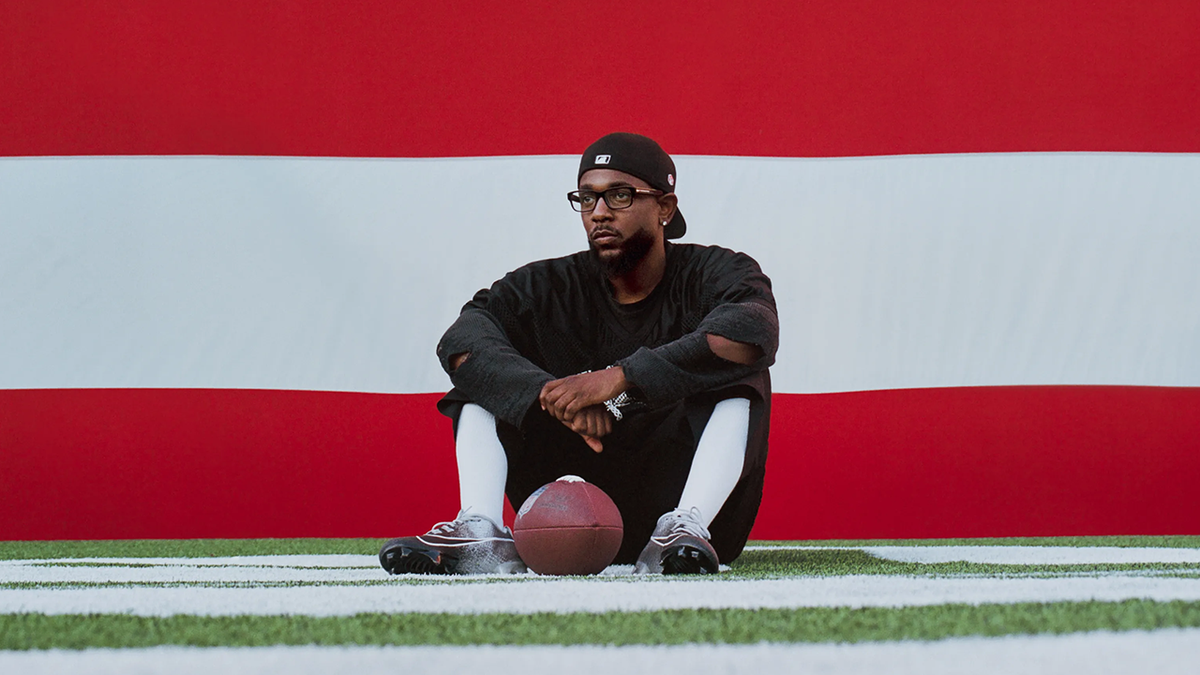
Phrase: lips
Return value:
(604, 236)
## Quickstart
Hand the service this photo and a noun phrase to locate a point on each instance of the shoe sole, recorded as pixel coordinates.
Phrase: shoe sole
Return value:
(687, 560)
(409, 560)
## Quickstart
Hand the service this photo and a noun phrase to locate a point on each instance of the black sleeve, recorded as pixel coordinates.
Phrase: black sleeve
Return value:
(742, 308)
(495, 376)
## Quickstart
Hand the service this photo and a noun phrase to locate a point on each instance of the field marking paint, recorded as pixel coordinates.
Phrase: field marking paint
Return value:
(1164, 652)
(1035, 555)
(594, 596)
(312, 560)
(1015, 555)
(344, 568)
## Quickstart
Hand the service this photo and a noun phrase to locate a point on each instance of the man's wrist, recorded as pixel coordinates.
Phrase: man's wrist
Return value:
(622, 385)
(626, 399)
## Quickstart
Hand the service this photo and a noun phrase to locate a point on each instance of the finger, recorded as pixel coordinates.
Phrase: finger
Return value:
(595, 425)
(553, 404)
(574, 404)
(544, 395)
(554, 385)
(560, 398)
(578, 403)
(573, 427)
(594, 444)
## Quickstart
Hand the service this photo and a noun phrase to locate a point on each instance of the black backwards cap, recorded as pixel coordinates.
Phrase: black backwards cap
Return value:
(638, 156)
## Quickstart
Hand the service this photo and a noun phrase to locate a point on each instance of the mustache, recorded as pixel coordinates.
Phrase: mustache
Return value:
(602, 230)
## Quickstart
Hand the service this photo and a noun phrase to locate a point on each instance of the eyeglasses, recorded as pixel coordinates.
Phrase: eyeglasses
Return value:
(585, 201)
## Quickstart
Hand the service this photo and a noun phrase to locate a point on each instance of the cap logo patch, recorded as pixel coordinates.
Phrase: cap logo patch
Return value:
(603, 159)
(671, 179)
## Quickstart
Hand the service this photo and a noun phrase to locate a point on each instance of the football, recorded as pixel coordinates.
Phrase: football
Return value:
(568, 527)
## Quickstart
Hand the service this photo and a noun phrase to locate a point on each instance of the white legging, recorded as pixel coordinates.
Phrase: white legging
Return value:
(716, 468)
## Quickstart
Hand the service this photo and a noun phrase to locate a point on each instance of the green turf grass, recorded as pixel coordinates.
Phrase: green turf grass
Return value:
(198, 548)
(39, 631)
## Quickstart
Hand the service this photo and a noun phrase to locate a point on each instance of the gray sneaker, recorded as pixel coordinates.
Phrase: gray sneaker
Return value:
(469, 544)
(679, 545)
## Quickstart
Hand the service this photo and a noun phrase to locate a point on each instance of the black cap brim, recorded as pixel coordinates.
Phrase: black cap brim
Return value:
(676, 227)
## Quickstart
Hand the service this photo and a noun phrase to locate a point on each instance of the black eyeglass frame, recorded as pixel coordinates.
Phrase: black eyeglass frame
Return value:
(575, 197)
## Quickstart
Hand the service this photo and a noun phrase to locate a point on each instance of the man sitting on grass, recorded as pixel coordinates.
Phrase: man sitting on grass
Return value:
(638, 364)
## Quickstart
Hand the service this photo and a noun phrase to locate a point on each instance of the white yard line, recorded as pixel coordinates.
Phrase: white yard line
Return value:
(1035, 555)
(359, 567)
(1014, 555)
(313, 569)
(1164, 652)
(184, 574)
(322, 560)
(583, 595)
(529, 593)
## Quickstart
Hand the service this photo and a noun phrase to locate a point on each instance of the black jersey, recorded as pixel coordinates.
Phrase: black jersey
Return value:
(555, 318)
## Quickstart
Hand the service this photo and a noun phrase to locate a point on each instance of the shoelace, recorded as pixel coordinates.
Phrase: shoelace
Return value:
(689, 521)
(448, 525)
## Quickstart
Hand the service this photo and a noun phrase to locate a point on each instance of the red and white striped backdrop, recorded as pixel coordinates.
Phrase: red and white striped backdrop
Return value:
(231, 234)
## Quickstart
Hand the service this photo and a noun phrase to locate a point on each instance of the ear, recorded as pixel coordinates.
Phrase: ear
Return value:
(666, 207)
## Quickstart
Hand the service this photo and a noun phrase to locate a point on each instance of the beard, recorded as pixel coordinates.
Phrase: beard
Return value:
(631, 252)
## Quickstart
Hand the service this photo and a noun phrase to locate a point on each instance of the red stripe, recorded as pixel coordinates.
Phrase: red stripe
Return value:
(775, 78)
(964, 462)
(984, 462)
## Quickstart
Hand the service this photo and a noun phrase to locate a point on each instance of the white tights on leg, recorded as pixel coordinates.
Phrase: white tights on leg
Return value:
(720, 455)
(716, 467)
(482, 464)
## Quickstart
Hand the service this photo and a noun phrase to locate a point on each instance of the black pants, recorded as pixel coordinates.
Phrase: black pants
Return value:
(643, 468)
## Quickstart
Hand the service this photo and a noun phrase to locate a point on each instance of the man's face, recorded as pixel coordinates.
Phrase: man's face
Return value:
(621, 238)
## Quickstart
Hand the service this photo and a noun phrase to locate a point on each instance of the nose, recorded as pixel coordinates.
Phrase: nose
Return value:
(602, 212)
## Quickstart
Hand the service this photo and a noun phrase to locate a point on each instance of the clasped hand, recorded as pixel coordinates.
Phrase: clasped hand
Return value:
(578, 402)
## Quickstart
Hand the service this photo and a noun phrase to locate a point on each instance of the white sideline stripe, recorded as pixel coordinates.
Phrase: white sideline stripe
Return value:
(618, 594)
(183, 574)
(1163, 652)
(310, 560)
(1035, 555)
(1016, 555)
(274, 568)
(890, 272)
(344, 567)
(311, 568)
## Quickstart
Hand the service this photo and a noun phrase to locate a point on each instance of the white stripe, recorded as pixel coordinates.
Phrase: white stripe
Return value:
(1017, 555)
(1163, 652)
(1035, 555)
(341, 274)
(596, 596)
(256, 568)
(339, 560)
(341, 568)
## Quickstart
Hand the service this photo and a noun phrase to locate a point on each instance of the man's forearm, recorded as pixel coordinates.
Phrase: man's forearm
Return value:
(484, 365)
(734, 341)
